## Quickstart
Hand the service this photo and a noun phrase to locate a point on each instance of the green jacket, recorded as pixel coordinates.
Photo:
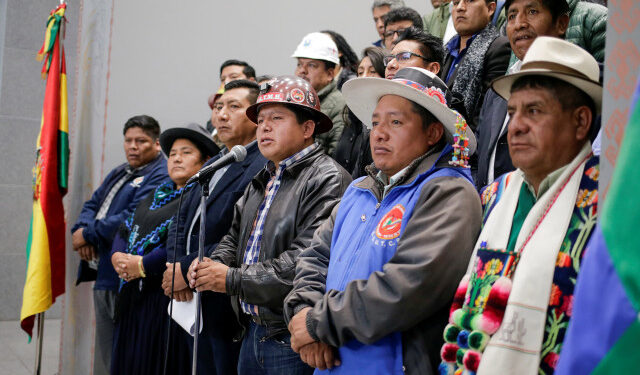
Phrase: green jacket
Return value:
(331, 104)
(587, 27)
(435, 23)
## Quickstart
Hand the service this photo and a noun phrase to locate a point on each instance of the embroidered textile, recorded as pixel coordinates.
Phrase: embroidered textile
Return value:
(480, 301)
(148, 225)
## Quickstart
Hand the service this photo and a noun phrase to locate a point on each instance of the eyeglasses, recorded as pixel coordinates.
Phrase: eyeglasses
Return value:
(390, 33)
(402, 56)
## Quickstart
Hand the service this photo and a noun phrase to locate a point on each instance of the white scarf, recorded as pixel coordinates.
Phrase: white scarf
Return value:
(515, 347)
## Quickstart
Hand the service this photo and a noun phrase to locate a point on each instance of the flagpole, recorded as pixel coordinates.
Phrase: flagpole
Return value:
(40, 334)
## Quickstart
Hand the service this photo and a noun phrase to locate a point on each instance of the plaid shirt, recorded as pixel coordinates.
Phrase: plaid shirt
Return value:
(252, 252)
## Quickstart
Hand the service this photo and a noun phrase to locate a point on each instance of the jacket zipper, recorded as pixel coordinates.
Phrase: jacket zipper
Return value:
(367, 229)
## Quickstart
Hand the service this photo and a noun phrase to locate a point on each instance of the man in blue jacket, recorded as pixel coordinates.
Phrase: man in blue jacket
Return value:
(101, 216)
(217, 353)
(376, 282)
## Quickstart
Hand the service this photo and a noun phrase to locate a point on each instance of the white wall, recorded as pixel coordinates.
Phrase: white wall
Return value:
(165, 55)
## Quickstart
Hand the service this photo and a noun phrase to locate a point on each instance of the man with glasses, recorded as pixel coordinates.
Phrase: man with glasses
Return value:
(396, 22)
(379, 10)
(415, 49)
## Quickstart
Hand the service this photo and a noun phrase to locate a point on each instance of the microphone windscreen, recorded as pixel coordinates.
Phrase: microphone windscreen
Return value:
(239, 152)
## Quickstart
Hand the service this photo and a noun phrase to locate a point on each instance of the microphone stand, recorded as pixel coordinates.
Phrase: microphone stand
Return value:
(204, 184)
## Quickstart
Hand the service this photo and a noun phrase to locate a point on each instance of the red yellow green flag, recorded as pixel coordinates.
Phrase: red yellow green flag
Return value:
(46, 241)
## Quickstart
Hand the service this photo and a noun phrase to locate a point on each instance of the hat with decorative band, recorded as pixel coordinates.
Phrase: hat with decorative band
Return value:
(417, 85)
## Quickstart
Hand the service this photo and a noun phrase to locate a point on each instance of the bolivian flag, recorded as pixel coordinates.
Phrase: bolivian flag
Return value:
(604, 333)
(46, 242)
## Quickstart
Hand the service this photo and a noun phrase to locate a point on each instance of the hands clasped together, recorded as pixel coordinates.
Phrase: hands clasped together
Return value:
(85, 249)
(208, 275)
(314, 353)
(211, 275)
(181, 291)
(129, 267)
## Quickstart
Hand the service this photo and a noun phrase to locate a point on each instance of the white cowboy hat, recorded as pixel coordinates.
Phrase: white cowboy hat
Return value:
(554, 57)
(415, 84)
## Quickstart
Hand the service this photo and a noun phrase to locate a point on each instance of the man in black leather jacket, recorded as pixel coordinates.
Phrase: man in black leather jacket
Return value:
(273, 222)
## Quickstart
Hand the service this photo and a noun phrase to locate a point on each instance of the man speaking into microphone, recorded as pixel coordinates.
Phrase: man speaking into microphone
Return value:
(273, 222)
(217, 353)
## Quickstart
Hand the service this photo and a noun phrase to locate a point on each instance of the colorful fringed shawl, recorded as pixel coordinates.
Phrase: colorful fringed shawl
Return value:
(511, 310)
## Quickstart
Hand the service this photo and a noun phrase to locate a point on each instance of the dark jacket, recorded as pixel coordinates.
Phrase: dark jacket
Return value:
(344, 76)
(494, 65)
(413, 291)
(364, 156)
(309, 190)
(350, 143)
(490, 137)
(100, 233)
(220, 204)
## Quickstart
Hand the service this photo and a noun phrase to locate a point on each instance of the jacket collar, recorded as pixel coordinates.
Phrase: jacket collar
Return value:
(325, 91)
(294, 169)
(434, 157)
(235, 171)
(147, 167)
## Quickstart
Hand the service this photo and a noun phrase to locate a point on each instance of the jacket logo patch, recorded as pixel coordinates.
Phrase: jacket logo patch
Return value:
(137, 181)
(389, 227)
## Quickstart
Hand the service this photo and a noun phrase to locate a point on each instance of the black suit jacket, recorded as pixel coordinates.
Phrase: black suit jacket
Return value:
(491, 136)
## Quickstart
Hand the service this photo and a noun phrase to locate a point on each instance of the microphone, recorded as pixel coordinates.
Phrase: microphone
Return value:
(237, 153)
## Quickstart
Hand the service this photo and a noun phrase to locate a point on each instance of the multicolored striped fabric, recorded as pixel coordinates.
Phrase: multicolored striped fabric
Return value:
(46, 240)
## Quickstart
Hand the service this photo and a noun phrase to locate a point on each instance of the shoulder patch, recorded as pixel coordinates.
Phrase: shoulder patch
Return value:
(137, 181)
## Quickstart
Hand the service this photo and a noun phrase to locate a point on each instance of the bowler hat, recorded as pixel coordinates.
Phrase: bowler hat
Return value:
(193, 132)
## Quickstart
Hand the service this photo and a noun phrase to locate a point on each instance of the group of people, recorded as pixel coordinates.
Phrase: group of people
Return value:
(423, 210)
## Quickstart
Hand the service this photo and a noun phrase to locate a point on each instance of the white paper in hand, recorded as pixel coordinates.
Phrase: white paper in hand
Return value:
(184, 313)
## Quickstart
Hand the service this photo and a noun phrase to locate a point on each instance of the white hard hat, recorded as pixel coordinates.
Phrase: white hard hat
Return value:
(318, 46)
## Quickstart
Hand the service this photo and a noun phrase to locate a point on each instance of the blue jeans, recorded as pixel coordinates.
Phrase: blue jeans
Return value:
(269, 356)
